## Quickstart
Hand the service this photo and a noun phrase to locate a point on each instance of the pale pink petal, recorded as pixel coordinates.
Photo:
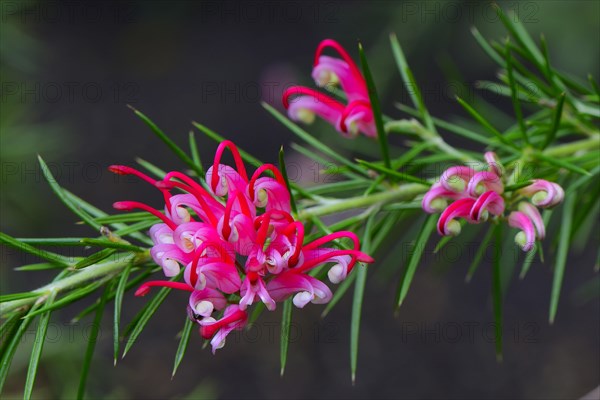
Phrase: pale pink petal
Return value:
(455, 178)
(331, 71)
(489, 202)
(459, 209)
(534, 215)
(525, 238)
(484, 181)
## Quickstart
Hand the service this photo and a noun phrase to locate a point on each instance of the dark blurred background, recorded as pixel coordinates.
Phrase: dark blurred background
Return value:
(70, 68)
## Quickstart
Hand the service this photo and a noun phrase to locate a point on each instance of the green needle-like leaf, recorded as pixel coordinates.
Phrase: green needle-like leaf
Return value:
(218, 138)
(10, 344)
(359, 291)
(317, 144)
(563, 250)
(167, 140)
(392, 173)
(286, 320)
(70, 203)
(287, 180)
(414, 258)
(95, 258)
(484, 122)
(515, 95)
(46, 255)
(153, 169)
(410, 83)
(381, 136)
(183, 343)
(497, 290)
(117, 314)
(555, 122)
(17, 296)
(479, 255)
(141, 319)
(561, 163)
(38, 347)
(194, 152)
(93, 338)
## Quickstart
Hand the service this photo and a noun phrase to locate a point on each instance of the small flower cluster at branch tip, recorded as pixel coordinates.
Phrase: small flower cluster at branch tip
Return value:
(463, 192)
(349, 119)
(237, 243)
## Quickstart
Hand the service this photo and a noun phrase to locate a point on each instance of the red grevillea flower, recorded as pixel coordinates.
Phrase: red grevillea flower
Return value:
(236, 242)
(463, 192)
(349, 119)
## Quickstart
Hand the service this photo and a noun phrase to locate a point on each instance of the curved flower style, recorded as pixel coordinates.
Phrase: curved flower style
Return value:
(206, 232)
(465, 193)
(349, 119)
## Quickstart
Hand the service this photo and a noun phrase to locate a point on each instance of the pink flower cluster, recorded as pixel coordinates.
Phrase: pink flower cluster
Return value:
(349, 119)
(237, 243)
(463, 192)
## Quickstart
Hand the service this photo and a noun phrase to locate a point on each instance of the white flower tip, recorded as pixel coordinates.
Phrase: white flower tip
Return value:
(170, 267)
(304, 115)
(204, 308)
(539, 197)
(521, 241)
(337, 273)
(453, 228)
(302, 298)
(438, 204)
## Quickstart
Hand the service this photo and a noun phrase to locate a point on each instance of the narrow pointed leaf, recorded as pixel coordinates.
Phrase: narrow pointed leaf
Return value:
(153, 169)
(194, 152)
(141, 319)
(561, 163)
(218, 138)
(93, 338)
(515, 95)
(167, 140)
(483, 122)
(555, 122)
(17, 296)
(183, 343)
(357, 301)
(316, 143)
(46, 255)
(72, 205)
(95, 258)
(561, 256)
(286, 320)
(373, 97)
(117, 313)
(414, 258)
(38, 347)
(10, 346)
(410, 83)
(479, 255)
(287, 180)
(390, 172)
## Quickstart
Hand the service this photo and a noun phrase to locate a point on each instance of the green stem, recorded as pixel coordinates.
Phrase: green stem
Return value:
(428, 136)
(87, 274)
(400, 193)
(573, 147)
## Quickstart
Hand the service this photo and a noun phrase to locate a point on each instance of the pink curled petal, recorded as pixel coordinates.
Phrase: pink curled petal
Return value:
(202, 302)
(179, 213)
(161, 234)
(484, 181)
(330, 71)
(543, 193)
(519, 220)
(304, 108)
(493, 162)
(247, 294)
(534, 215)
(455, 178)
(305, 287)
(436, 192)
(229, 179)
(459, 209)
(264, 295)
(169, 257)
(270, 194)
(233, 319)
(358, 117)
(220, 275)
(491, 202)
